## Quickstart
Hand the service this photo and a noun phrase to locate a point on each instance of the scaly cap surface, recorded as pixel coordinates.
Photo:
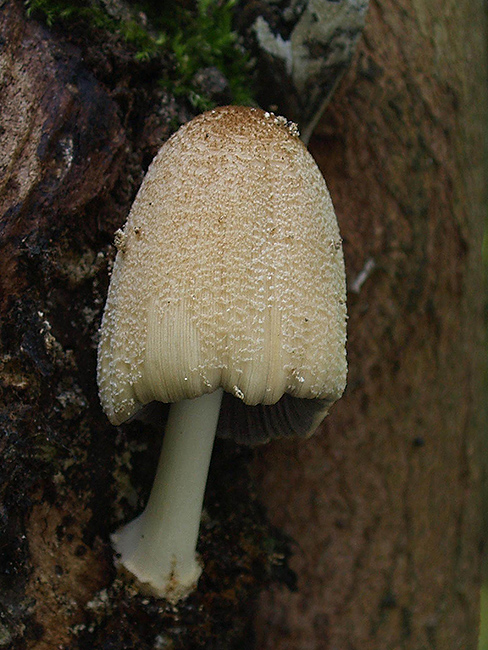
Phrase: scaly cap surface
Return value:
(229, 273)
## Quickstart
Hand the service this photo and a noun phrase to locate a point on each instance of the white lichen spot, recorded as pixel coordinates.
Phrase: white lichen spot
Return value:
(99, 601)
(363, 275)
(65, 160)
(162, 642)
(274, 44)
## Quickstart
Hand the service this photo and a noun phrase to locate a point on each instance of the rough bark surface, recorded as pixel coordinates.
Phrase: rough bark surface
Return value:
(384, 502)
(302, 49)
(80, 121)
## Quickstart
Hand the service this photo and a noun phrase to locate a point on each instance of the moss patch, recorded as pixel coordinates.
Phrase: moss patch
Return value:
(198, 38)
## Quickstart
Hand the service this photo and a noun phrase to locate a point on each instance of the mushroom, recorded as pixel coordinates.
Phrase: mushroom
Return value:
(227, 300)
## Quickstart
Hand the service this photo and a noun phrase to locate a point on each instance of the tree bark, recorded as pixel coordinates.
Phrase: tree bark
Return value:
(384, 502)
(379, 511)
(80, 121)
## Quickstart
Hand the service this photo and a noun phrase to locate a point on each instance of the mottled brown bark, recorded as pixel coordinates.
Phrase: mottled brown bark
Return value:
(384, 502)
(60, 144)
(80, 120)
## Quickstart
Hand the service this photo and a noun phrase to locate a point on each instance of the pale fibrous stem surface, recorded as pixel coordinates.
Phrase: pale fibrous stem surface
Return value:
(159, 546)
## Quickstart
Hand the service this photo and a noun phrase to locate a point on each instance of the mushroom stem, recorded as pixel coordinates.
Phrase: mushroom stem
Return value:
(159, 546)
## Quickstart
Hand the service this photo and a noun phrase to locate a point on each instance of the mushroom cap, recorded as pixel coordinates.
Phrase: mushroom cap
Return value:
(229, 274)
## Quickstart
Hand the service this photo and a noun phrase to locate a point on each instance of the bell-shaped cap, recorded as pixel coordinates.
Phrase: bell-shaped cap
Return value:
(230, 274)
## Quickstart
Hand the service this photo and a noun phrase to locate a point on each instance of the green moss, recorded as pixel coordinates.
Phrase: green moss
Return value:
(209, 41)
(194, 39)
(57, 10)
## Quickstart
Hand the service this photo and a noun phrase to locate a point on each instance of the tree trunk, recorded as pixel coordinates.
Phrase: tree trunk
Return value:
(376, 517)
(384, 503)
